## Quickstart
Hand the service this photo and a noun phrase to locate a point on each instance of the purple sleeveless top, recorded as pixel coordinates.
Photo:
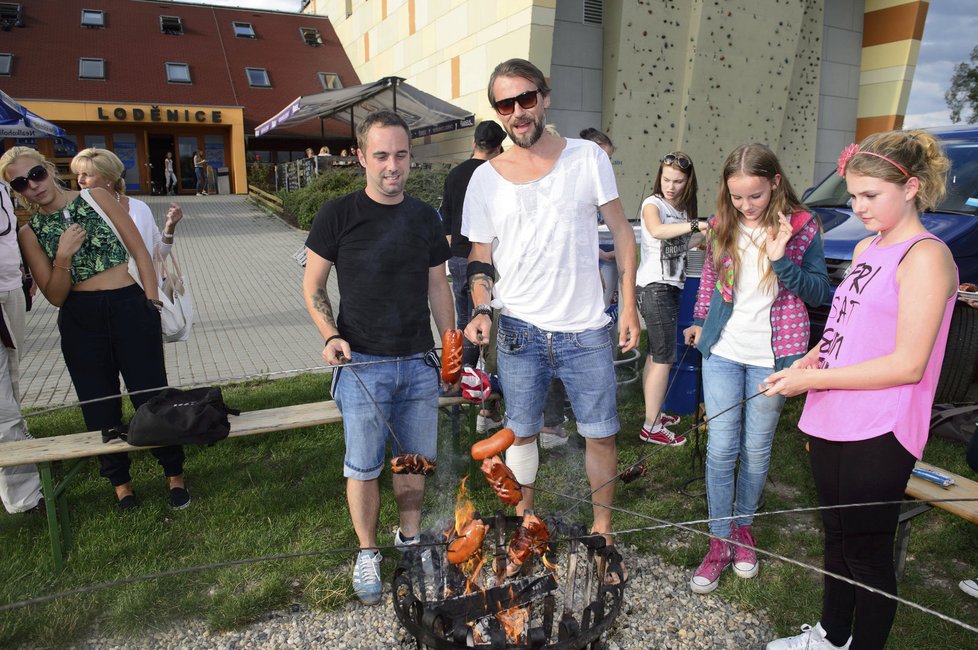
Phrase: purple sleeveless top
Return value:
(862, 325)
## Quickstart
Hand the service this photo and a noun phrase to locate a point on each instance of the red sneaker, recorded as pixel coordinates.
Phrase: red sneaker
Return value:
(707, 575)
(745, 557)
(661, 436)
(668, 420)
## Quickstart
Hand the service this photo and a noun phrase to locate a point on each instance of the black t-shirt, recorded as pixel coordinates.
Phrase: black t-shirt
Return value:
(452, 200)
(382, 254)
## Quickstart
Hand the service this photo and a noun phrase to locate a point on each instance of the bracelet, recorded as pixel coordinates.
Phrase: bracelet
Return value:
(156, 303)
(58, 266)
(334, 336)
(166, 235)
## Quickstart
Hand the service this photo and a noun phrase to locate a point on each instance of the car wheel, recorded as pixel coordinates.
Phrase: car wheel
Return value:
(960, 357)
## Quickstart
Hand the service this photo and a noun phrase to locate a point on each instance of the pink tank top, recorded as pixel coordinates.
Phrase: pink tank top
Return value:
(862, 325)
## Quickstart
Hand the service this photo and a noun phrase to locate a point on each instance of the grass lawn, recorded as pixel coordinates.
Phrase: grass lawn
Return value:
(283, 493)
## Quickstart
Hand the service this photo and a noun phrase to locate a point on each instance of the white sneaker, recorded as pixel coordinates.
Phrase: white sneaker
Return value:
(811, 638)
(556, 438)
(485, 425)
(969, 587)
(403, 545)
(366, 577)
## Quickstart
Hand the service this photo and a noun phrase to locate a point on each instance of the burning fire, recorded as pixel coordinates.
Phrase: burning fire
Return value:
(463, 507)
(514, 623)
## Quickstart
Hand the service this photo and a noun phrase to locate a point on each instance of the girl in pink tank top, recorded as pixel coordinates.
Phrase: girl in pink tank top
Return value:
(871, 380)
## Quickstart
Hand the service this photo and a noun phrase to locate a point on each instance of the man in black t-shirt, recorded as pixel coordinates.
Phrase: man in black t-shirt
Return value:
(389, 254)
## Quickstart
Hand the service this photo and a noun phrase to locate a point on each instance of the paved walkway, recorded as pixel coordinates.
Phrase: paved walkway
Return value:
(247, 294)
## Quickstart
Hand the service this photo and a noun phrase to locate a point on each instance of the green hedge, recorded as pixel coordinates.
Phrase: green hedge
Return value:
(301, 205)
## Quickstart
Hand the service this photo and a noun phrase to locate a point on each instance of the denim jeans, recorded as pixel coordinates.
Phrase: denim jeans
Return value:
(201, 179)
(745, 432)
(402, 395)
(529, 358)
(458, 267)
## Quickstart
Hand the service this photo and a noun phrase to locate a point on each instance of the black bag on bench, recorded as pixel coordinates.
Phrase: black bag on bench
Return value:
(197, 416)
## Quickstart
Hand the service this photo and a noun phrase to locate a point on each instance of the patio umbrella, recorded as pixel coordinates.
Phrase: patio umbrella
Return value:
(424, 113)
(18, 122)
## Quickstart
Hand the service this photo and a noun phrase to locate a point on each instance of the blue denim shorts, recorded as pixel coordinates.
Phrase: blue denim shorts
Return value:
(659, 305)
(529, 357)
(401, 395)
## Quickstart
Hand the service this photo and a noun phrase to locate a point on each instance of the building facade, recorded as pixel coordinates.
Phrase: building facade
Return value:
(143, 78)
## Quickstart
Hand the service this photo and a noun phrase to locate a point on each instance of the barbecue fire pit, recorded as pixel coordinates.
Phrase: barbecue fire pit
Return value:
(565, 594)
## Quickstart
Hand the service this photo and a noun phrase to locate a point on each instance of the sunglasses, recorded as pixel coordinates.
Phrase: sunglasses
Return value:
(36, 175)
(680, 160)
(526, 101)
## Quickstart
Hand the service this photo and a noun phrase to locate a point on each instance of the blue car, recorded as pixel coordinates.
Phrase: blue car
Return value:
(955, 221)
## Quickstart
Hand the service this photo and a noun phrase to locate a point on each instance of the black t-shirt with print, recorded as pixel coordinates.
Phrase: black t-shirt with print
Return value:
(382, 255)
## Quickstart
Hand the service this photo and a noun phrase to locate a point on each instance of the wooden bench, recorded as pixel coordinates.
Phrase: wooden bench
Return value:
(47, 453)
(918, 488)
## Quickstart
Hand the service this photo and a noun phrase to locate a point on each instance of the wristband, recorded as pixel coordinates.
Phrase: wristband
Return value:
(480, 268)
(482, 310)
(334, 336)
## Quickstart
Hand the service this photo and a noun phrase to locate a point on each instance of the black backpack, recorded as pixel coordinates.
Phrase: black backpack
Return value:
(197, 416)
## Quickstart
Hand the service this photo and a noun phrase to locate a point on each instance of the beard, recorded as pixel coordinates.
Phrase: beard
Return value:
(532, 137)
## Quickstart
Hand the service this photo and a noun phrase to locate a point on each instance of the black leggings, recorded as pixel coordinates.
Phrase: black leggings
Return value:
(859, 541)
(104, 333)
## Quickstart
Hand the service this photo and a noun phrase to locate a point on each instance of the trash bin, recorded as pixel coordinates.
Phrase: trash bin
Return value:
(223, 180)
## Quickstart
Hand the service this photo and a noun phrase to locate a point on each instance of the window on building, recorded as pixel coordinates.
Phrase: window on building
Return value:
(171, 25)
(311, 36)
(330, 80)
(92, 18)
(243, 30)
(178, 73)
(91, 68)
(11, 15)
(6, 64)
(258, 78)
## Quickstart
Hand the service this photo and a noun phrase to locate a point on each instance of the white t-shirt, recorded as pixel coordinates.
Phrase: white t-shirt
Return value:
(142, 216)
(746, 338)
(663, 260)
(10, 276)
(544, 243)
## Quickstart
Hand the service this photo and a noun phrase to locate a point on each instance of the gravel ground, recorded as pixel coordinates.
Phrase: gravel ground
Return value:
(659, 612)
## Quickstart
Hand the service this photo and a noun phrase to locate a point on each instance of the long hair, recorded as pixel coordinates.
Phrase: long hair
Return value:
(26, 152)
(518, 68)
(105, 163)
(759, 161)
(687, 200)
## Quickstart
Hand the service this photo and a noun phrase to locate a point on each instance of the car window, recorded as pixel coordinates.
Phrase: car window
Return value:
(962, 182)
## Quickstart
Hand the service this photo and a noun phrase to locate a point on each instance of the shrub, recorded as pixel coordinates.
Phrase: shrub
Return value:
(262, 176)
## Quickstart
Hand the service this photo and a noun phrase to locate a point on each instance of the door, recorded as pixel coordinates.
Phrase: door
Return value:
(159, 145)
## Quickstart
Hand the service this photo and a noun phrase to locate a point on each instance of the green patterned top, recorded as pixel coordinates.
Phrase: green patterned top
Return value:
(101, 249)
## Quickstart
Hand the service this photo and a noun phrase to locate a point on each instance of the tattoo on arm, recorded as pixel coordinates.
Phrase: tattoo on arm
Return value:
(483, 281)
(320, 300)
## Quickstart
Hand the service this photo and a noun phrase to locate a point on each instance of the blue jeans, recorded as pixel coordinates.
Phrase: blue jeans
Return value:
(529, 357)
(745, 432)
(402, 395)
(201, 183)
(458, 267)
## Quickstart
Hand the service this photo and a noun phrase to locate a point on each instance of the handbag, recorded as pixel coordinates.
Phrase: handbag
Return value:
(173, 416)
(177, 314)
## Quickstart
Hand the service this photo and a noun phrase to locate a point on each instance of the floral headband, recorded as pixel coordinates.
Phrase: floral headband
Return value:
(853, 149)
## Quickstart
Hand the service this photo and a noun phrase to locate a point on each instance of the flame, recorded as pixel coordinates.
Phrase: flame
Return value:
(514, 623)
(463, 507)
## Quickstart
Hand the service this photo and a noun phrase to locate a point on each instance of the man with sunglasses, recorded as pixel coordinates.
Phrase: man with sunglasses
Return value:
(20, 487)
(529, 214)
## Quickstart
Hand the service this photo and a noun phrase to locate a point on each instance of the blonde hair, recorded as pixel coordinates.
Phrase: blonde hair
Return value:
(755, 160)
(105, 163)
(917, 151)
(26, 152)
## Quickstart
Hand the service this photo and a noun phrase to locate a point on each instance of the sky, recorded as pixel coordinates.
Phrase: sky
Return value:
(950, 33)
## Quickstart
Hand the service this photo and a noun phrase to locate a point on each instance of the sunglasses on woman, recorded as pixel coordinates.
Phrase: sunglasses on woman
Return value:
(678, 159)
(36, 175)
(526, 101)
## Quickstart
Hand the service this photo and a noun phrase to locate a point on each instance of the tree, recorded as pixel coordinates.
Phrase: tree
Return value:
(963, 92)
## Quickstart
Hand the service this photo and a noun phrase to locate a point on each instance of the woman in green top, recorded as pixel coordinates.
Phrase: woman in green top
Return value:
(108, 323)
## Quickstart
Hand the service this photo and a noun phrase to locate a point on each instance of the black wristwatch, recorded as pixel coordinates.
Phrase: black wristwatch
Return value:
(694, 225)
(481, 310)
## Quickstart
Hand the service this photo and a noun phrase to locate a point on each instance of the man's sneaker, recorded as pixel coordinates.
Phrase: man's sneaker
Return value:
(668, 420)
(661, 436)
(969, 587)
(403, 544)
(745, 557)
(707, 575)
(366, 577)
(811, 638)
(485, 424)
(556, 437)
